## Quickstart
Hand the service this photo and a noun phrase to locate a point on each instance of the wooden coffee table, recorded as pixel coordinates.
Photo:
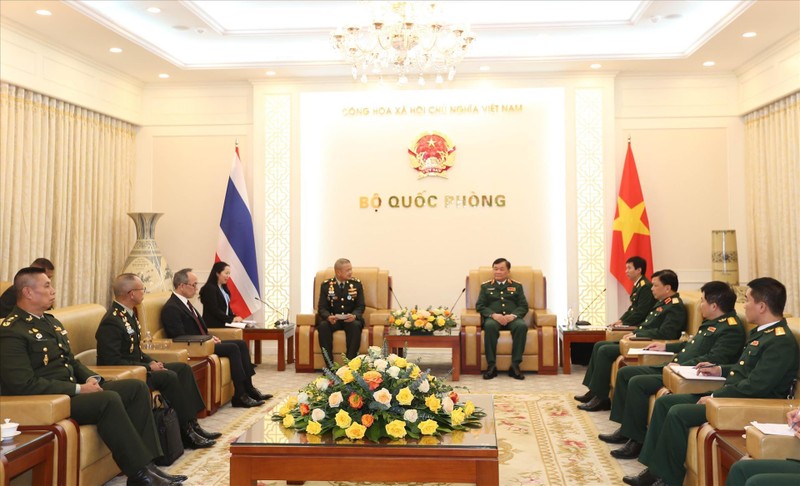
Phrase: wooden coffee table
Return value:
(397, 342)
(29, 451)
(568, 336)
(269, 451)
(272, 333)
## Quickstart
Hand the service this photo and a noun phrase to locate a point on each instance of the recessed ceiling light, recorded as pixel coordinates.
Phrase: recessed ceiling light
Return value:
(748, 35)
(163, 75)
(270, 73)
(709, 63)
(44, 13)
(115, 50)
(595, 66)
(154, 10)
(484, 68)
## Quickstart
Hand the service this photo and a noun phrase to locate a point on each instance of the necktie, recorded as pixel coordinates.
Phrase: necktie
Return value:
(196, 319)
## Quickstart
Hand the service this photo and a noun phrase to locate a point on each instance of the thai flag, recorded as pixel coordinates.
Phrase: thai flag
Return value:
(237, 244)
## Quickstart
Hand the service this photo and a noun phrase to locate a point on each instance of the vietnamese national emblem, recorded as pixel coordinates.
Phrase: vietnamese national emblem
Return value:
(432, 154)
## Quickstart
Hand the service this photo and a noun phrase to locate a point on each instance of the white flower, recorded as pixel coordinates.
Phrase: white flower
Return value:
(381, 364)
(321, 383)
(374, 351)
(341, 371)
(302, 397)
(429, 327)
(407, 325)
(382, 396)
(447, 404)
(410, 415)
(335, 399)
(317, 415)
(394, 372)
(424, 386)
(391, 358)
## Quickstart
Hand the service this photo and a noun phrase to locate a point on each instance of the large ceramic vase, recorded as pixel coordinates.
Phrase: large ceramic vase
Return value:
(145, 259)
(724, 257)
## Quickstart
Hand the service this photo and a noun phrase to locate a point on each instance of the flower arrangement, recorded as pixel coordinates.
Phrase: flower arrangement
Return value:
(420, 321)
(378, 396)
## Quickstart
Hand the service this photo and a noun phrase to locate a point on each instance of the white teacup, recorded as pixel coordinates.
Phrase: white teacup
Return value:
(9, 429)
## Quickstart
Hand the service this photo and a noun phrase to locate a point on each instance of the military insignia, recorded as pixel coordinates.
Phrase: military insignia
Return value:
(29, 319)
(38, 335)
(512, 289)
(669, 299)
(431, 154)
(676, 300)
(660, 309)
(641, 283)
(732, 321)
(64, 332)
(712, 329)
(45, 360)
(754, 343)
(780, 332)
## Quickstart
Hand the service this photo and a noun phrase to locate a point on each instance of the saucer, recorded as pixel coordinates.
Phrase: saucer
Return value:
(12, 435)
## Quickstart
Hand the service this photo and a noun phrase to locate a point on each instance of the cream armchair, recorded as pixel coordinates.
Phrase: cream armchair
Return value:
(376, 283)
(541, 347)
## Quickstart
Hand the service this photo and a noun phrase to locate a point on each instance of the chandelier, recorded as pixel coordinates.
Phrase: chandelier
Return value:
(405, 39)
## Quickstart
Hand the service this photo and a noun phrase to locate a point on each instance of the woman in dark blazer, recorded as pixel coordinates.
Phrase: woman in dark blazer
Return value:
(216, 298)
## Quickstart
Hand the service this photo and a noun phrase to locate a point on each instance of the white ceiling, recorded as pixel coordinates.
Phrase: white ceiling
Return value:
(241, 40)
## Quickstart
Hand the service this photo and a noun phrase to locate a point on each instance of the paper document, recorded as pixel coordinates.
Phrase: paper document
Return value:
(237, 325)
(642, 351)
(690, 373)
(247, 321)
(774, 429)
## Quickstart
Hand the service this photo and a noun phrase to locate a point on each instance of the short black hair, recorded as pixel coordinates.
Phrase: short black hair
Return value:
(43, 263)
(24, 278)
(667, 277)
(502, 260)
(769, 291)
(638, 263)
(720, 293)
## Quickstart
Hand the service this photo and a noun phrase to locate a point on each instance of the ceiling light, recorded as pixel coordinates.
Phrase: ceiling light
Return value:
(595, 66)
(709, 63)
(44, 13)
(748, 35)
(154, 10)
(115, 50)
(484, 68)
(270, 73)
(163, 75)
(404, 38)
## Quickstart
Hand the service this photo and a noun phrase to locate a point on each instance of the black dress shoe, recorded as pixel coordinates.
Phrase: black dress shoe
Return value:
(204, 433)
(490, 373)
(585, 397)
(630, 450)
(146, 477)
(179, 478)
(596, 404)
(256, 395)
(516, 373)
(192, 440)
(644, 478)
(615, 437)
(244, 401)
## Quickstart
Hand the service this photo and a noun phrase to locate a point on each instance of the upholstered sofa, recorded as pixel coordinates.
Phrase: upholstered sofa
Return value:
(541, 347)
(376, 283)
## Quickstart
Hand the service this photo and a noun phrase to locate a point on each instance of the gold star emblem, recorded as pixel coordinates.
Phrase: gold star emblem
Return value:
(629, 222)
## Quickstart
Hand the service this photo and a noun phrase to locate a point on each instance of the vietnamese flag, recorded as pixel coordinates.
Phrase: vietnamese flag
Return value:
(631, 230)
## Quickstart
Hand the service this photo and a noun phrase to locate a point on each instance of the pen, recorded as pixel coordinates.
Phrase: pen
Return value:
(710, 365)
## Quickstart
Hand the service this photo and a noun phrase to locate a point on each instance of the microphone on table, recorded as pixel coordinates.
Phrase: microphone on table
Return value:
(587, 323)
(458, 298)
(391, 291)
(280, 322)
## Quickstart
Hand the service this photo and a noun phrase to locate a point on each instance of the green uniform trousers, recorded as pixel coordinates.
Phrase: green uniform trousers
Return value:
(664, 450)
(764, 472)
(631, 399)
(179, 387)
(598, 374)
(124, 418)
(491, 332)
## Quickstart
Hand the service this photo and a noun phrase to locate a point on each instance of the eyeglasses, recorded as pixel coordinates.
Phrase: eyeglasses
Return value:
(143, 289)
(191, 285)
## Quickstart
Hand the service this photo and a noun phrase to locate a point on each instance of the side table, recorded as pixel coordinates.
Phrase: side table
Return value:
(279, 334)
(731, 447)
(203, 371)
(568, 336)
(29, 451)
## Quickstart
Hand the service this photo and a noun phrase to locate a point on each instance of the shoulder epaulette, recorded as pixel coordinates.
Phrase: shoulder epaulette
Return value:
(676, 300)
(780, 332)
(732, 321)
(490, 280)
(355, 279)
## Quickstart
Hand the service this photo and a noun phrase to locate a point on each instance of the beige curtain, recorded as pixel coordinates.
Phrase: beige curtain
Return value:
(772, 143)
(65, 176)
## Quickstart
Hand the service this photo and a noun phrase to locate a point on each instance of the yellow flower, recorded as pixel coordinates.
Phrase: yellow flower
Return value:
(428, 427)
(440, 321)
(457, 417)
(414, 317)
(404, 396)
(355, 431)
(347, 376)
(284, 410)
(291, 402)
(433, 403)
(400, 362)
(396, 429)
(469, 408)
(354, 364)
(288, 421)
(414, 372)
(420, 323)
(313, 428)
(343, 419)
(431, 318)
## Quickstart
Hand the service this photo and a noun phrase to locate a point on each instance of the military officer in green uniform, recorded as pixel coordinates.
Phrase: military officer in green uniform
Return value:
(502, 305)
(719, 340)
(766, 369)
(37, 360)
(665, 320)
(9, 298)
(118, 343)
(642, 299)
(340, 307)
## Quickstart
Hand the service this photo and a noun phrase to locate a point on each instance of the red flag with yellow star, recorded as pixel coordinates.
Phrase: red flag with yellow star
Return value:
(631, 232)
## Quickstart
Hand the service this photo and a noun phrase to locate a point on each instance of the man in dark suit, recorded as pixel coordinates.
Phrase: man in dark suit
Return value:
(9, 298)
(118, 343)
(340, 307)
(37, 360)
(180, 318)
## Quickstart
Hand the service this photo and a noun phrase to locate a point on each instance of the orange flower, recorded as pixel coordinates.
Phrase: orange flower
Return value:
(454, 396)
(447, 313)
(304, 409)
(367, 420)
(373, 379)
(391, 319)
(355, 401)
